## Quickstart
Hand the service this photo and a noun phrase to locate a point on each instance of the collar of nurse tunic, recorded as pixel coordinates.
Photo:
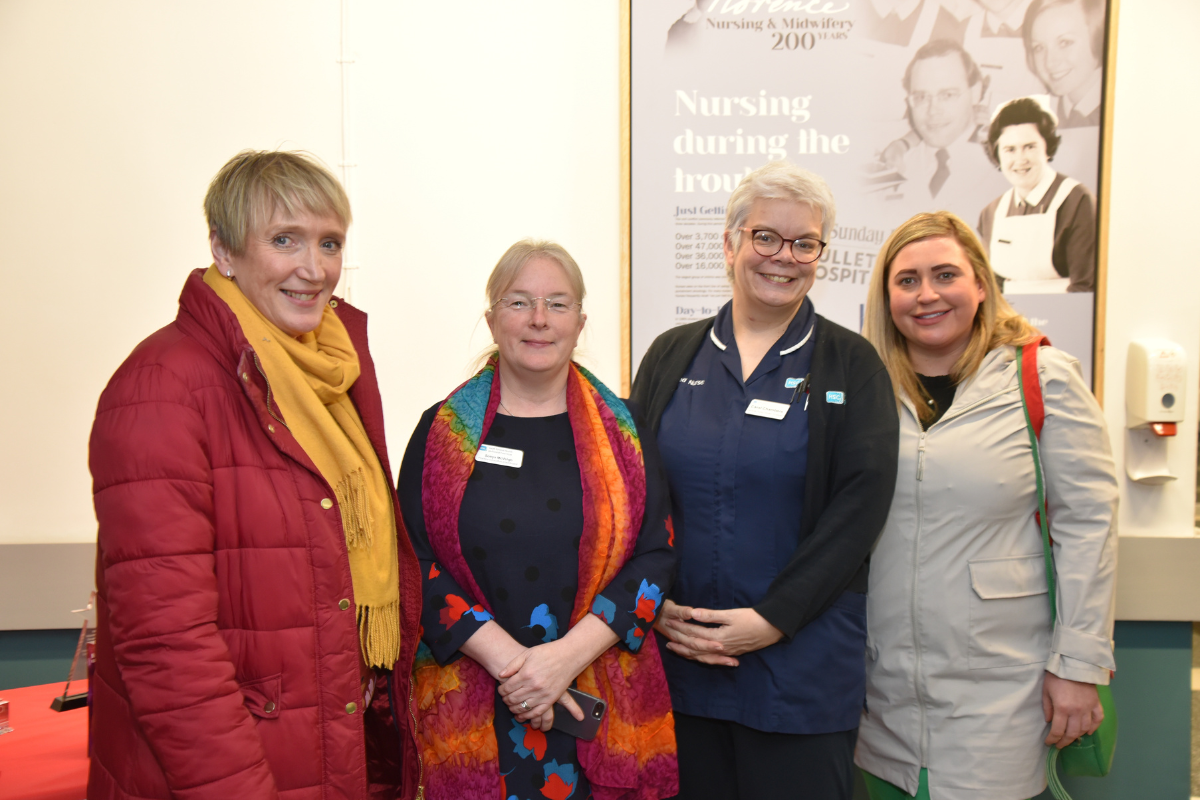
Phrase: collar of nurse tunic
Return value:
(798, 334)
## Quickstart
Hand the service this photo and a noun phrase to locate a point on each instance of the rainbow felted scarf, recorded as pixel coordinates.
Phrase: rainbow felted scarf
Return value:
(633, 755)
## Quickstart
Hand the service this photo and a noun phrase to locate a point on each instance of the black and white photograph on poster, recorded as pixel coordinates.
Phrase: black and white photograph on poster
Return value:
(990, 109)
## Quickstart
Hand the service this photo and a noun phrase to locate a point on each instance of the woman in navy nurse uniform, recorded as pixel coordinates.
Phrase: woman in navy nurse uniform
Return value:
(778, 430)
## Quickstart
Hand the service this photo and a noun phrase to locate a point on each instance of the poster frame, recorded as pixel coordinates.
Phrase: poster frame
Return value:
(1103, 198)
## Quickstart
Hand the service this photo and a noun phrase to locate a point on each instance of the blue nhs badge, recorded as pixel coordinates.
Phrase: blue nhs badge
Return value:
(835, 397)
(792, 383)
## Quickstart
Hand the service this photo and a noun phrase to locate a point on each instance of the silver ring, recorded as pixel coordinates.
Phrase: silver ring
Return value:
(525, 705)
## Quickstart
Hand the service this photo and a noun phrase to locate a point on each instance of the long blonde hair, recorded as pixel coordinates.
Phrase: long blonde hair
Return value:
(996, 322)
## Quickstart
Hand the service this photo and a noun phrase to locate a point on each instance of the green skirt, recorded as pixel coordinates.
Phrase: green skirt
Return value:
(879, 789)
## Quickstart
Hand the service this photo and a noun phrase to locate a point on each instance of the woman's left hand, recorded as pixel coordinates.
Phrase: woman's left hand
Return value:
(1072, 709)
(535, 679)
(740, 630)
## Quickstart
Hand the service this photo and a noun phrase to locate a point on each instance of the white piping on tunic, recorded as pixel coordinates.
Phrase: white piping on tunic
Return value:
(801, 343)
(712, 334)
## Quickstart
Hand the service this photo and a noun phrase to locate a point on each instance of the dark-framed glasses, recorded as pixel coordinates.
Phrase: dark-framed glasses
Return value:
(805, 249)
(524, 304)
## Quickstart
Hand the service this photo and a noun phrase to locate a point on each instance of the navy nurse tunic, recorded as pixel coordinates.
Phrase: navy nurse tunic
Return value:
(737, 488)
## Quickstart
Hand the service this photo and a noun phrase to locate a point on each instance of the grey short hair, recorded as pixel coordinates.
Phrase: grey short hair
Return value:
(779, 180)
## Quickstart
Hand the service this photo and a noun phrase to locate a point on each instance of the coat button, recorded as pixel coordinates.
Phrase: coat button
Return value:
(269, 707)
(246, 377)
(333, 303)
(351, 708)
(343, 604)
(271, 428)
(326, 503)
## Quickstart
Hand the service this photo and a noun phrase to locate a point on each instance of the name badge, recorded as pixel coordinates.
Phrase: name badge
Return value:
(503, 456)
(768, 409)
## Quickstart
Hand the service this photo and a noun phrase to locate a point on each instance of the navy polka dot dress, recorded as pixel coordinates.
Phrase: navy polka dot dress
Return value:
(519, 530)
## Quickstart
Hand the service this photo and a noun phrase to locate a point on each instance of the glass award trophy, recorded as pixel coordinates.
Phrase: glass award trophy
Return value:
(79, 669)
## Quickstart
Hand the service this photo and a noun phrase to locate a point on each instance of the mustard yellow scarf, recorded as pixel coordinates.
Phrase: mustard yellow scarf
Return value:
(310, 378)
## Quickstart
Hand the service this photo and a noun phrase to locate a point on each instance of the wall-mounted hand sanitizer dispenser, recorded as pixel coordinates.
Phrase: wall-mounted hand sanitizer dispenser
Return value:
(1156, 382)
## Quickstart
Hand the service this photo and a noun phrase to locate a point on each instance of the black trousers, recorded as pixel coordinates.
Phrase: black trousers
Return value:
(721, 760)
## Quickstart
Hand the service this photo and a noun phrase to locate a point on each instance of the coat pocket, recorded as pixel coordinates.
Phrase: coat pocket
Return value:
(261, 696)
(1010, 612)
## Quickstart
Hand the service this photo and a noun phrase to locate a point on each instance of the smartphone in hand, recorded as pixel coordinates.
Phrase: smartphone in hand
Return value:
(593, 715)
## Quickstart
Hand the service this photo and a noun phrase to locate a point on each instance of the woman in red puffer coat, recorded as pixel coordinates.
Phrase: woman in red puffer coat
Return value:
(258, 598)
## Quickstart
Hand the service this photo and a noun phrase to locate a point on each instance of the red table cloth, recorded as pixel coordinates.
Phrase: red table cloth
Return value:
(45, 756)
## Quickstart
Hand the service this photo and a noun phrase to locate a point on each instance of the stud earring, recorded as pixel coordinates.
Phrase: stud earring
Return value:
(229, 274)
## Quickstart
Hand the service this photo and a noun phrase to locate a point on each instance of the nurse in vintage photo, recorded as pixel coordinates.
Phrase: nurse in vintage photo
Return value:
(1041, 233)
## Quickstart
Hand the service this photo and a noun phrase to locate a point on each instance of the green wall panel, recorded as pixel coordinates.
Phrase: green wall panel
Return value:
(31, 658)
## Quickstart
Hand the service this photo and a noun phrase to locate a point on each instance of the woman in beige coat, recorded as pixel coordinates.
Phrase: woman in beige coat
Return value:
(967, 680)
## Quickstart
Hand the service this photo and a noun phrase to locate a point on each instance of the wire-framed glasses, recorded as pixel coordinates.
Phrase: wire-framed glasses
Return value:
(524, 304)
(805, 249)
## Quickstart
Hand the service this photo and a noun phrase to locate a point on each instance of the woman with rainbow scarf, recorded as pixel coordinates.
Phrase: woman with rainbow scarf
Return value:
(541, 519)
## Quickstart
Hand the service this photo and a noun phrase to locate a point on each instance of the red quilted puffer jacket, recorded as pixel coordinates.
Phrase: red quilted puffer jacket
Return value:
(227, 655)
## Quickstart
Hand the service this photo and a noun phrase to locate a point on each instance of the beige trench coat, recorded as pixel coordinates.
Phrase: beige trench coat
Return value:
(958, 617)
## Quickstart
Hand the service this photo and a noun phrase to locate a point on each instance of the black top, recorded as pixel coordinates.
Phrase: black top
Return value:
(519, 530)
(852, 453)
(941, 388)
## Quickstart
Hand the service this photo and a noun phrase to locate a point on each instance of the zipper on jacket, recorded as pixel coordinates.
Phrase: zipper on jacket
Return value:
(913, 609)
(258, 366)
(921, 457)
(416, 744)
(412, 732)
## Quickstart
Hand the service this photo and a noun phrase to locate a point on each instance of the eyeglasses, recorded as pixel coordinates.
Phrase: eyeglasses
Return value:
(524, 304)
(944, 97)
(805, 249)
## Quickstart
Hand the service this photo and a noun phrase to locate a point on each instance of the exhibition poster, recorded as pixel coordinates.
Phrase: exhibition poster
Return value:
(990, 109)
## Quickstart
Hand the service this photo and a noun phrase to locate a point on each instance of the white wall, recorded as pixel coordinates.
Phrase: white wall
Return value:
(1153, 279)
(476, 125)
(470, 136)
(490, 120)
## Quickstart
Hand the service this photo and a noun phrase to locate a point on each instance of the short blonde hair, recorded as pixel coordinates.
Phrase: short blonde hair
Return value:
(254, 184)
(996, 322)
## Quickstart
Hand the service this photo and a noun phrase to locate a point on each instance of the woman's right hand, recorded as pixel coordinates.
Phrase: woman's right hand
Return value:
(545, 721)
(1072, 709)
(672, 623)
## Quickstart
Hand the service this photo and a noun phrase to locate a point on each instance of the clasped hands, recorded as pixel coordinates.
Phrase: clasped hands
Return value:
(533, 679)
(738, 631)
(538, 678)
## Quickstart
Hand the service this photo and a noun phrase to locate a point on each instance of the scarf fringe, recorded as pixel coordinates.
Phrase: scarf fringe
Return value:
(379, 634)
(354, 504)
